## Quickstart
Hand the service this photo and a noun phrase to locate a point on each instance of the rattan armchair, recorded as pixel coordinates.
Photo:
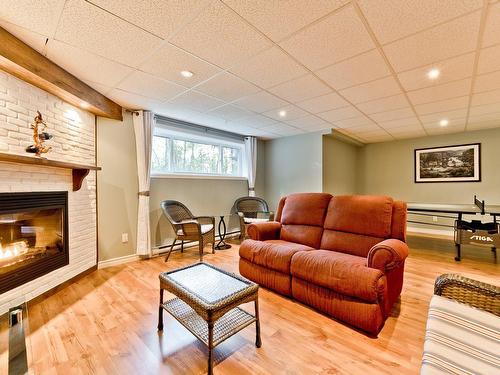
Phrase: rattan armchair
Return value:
(188, 227)
(248, 209)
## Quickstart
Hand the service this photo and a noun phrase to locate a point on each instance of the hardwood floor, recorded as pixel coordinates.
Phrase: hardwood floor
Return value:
(106, 323)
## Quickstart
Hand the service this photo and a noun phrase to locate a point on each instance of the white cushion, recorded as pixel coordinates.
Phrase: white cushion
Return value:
(205, 228)
(460, 339)
(250, 220)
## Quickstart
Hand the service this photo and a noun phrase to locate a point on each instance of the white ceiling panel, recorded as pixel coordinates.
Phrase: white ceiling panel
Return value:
(324, 42)
(372, 90)
(410, 122)
(443, 105)
(159, 17)
(439, 43)
(291, 113)
(132, 101)
(300, 89)
(168, 62)
(435, 118)
(366, 67)
(340, 114)
(310, 123)
(404, 132)
(97, 31)
(488, 60)
(230, 112)
(484, 109)
(385, 104)
(323, 103)
(86, 65)
(269, 68)
(34, 40)
(256, 121)
(261, 101)
(220, 36)
(395, 19)
(40, 16)
(440, 92)
(147, 85)
(196, 101)
(395, 114)
(487, 82)
(487, 97)
(268, 16)
(98, 87)
(356, 122)
(453, 69)
(227, 86)
(492, 29)
(283, 129)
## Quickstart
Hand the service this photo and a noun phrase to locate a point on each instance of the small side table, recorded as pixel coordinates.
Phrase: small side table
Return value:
(222, 245)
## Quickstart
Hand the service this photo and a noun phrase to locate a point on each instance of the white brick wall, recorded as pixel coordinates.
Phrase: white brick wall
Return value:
(74, 141)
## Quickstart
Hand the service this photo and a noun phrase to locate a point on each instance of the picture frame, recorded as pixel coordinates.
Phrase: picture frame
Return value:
(457, 163)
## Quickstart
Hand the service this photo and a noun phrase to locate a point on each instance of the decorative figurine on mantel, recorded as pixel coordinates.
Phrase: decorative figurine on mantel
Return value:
(39, 136)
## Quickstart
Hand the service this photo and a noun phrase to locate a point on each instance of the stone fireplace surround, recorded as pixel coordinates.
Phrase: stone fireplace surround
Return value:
(74, 141)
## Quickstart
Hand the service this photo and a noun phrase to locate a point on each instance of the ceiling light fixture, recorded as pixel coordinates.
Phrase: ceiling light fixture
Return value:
(282, 113)
(187, 74)
(444, 122)
(433, 73)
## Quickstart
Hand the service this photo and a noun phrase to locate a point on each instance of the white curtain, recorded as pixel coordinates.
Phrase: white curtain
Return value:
(144, 123)
(251, 161)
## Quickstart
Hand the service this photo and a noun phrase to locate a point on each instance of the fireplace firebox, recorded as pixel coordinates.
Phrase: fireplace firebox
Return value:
(33, 236)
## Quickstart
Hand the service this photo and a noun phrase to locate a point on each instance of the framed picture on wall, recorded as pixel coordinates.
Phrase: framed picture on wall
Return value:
(461, 163)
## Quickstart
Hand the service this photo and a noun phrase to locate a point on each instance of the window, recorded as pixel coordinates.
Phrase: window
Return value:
(177, 153)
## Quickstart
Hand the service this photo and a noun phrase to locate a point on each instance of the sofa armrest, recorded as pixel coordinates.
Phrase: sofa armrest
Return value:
(269, 230)
(387, 255)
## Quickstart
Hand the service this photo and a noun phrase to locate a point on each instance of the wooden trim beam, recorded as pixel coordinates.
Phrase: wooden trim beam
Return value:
(22, 61)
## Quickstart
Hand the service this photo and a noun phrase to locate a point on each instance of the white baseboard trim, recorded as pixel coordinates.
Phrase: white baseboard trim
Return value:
(165, 248)
(435, 232)
(116, 261)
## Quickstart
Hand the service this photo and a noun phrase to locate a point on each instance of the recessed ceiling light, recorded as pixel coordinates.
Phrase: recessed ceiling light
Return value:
(444, 122)
(84, 105)
(282, 113)
(187, 74)
(433, 73)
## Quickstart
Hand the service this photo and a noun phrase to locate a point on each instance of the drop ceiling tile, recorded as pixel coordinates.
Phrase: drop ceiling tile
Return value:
(95, 30)
(443, 105)
(220, 36)
(283, 129)
(492, 28)
(439, 43)
(394, 19)
(300, 89)
(133, 101)
(385, 104)
(227, 87)
(378, 134)
(196, 101)
(366, 67)
(292, 113)
(269, 68)
(489, 121)
(168, 62)
(376, 137)
(395, 114)
(323, 103)
(452, 69)
(158, 17)
(487, 97)
(410, 122)
(487, 82)
(310, 123)
(261, 101)
(407, 132)
(86, 65)
(372, 90)
(340, 114)
(268, 16)
(356, 122)
(445, 130)
(324, 42)
(440, 92)
(256, 121)
(150, 86)
(488, 60)
(453, 123)
(230, 112)
(434, 118)
(98, 87)
(39, 16)
(34, 40)
(484, 109)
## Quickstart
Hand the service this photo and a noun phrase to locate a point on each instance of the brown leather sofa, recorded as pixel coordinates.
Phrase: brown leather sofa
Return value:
(342, 255)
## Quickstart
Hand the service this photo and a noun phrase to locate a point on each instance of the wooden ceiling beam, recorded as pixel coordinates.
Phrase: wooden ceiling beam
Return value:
(22, 61)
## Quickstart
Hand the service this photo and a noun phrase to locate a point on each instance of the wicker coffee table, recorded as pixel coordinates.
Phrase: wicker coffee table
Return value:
(207, 303)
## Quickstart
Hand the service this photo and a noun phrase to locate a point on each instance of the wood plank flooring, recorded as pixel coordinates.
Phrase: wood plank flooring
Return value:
(105, 323)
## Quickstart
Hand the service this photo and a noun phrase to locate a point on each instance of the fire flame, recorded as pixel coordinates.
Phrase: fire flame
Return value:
(13, 249)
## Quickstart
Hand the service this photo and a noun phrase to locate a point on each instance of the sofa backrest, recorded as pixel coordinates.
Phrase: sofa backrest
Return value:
(302, 216)
(353, 224)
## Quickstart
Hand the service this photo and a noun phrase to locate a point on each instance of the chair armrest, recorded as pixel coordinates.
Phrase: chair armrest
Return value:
(387, 255)
(269, 230)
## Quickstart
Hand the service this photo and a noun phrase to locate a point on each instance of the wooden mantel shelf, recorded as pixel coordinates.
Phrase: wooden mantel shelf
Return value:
(80, 171)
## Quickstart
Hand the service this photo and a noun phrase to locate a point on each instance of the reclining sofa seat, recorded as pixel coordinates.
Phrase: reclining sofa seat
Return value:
(342, 255)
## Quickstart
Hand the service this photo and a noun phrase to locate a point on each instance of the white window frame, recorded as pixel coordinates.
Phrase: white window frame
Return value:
(173, 134)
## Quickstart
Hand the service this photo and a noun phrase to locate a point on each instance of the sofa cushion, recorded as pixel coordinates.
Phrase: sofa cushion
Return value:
(349, 243)
(302, 218)
(273, 254)
(346, 274)
(368, 215)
